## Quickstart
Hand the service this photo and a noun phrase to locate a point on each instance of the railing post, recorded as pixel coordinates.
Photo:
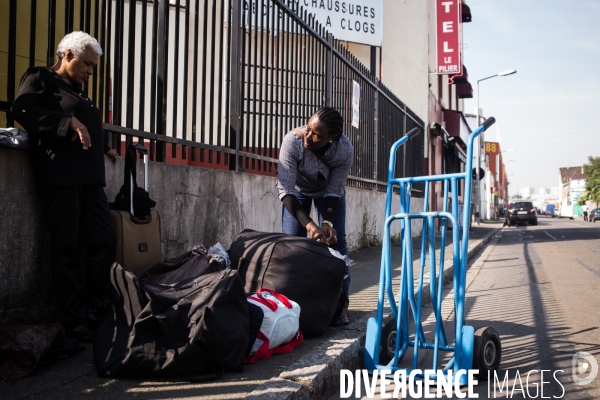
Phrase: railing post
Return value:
(118, 63)
(161, 76)
(329, 72)
(376, 127)
(404, 147)
(51, 32)
(12, 58)
(236, 87)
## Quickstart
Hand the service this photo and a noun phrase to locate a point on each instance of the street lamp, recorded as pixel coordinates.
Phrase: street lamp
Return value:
(478, 149)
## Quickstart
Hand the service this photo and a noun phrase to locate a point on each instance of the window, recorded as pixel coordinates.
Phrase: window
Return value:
(521, 204)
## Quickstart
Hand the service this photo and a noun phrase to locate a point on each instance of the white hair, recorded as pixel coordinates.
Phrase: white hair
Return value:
(77, 42)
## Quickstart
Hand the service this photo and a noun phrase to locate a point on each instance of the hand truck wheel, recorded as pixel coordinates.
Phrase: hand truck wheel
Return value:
(388, 342)
(487, 351)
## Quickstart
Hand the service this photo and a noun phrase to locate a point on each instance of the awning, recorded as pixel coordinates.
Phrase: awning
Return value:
(456, 126)
(466, 13)
(460, 78)
(464, 90)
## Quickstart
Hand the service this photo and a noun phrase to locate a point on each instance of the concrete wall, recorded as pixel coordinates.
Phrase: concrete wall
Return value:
(405, 53)
(197, 206)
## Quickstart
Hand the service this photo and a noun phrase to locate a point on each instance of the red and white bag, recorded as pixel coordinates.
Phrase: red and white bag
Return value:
(279, 332)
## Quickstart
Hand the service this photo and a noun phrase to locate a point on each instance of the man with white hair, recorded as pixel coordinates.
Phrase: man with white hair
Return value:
(68, 146)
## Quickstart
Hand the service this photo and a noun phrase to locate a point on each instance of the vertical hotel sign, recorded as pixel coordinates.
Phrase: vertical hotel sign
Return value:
(448, 37)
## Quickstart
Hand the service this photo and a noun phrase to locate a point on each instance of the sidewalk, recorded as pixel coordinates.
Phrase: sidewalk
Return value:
(316, 375)
(311, 371)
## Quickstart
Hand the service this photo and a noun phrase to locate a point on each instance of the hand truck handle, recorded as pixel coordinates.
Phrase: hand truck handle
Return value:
(488, 122)
(413, 132)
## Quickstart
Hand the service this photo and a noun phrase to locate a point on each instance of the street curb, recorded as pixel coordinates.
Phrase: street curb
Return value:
(316, 375)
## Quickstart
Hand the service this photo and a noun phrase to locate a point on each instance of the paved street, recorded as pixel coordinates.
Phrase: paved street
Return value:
(538, 286)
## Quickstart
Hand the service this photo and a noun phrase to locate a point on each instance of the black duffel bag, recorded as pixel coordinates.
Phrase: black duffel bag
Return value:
(193, 327)
(301, 269)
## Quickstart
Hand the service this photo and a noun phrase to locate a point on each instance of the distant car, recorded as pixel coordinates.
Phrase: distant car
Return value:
(594, 215)
(521, 211)
(549, 210)
(556, 213)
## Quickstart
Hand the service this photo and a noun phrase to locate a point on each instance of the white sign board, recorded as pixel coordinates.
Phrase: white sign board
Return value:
(358, 21)
(355, 103)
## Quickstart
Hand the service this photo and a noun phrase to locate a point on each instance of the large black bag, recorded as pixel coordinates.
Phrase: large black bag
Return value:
(197, 326)
(191, 264)
(300, 268)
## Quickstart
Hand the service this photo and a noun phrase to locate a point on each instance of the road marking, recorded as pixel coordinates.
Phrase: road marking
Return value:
(588, 267)
(550, 235)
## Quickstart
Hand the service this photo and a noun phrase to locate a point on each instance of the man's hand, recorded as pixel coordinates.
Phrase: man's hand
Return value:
(112, 155)
(316, 233)
(81, 131)
(330, 234)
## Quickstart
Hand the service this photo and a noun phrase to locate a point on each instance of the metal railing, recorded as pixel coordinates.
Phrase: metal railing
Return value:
(217, 83)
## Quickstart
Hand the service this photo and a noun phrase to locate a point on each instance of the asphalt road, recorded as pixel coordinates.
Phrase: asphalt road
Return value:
(539, 287)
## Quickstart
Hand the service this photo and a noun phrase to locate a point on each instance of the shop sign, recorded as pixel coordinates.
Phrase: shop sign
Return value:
(492, 148)
(358, 21)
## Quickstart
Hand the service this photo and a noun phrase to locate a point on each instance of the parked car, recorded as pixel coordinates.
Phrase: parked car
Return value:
(594, 215)
(556, 213)
(521, 211)
(549, 210)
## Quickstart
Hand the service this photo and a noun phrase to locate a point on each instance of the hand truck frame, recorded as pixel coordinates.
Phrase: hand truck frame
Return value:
(384, 348)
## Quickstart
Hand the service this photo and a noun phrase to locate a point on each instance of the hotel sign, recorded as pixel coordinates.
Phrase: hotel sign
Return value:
(448, 38)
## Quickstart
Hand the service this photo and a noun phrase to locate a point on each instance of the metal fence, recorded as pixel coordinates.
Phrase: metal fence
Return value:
(217, 83)
(30, 30)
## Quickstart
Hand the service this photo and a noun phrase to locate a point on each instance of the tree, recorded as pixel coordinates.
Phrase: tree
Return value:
(592, 186)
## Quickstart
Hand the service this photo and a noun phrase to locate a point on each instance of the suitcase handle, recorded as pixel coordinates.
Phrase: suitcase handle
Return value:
(273, 293)
(270, 304)
(138, 221)
(130, 178)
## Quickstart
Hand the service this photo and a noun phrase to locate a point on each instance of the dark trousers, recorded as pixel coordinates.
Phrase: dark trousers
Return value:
(81, 234)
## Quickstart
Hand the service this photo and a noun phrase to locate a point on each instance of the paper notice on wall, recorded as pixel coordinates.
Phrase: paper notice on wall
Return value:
(355, 104)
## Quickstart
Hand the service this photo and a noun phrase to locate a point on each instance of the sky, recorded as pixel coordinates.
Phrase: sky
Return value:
(549, 111)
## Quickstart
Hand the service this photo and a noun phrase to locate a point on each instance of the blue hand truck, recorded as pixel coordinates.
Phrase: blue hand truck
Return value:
(385, 346)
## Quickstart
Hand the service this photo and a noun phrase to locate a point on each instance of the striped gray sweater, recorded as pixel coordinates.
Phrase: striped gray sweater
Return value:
(301, 172)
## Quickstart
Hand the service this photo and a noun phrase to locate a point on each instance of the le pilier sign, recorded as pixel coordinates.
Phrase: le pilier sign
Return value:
(448, 36)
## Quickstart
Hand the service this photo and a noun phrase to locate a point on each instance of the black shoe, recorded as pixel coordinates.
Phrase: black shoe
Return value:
(84, 333)
(342, 321)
